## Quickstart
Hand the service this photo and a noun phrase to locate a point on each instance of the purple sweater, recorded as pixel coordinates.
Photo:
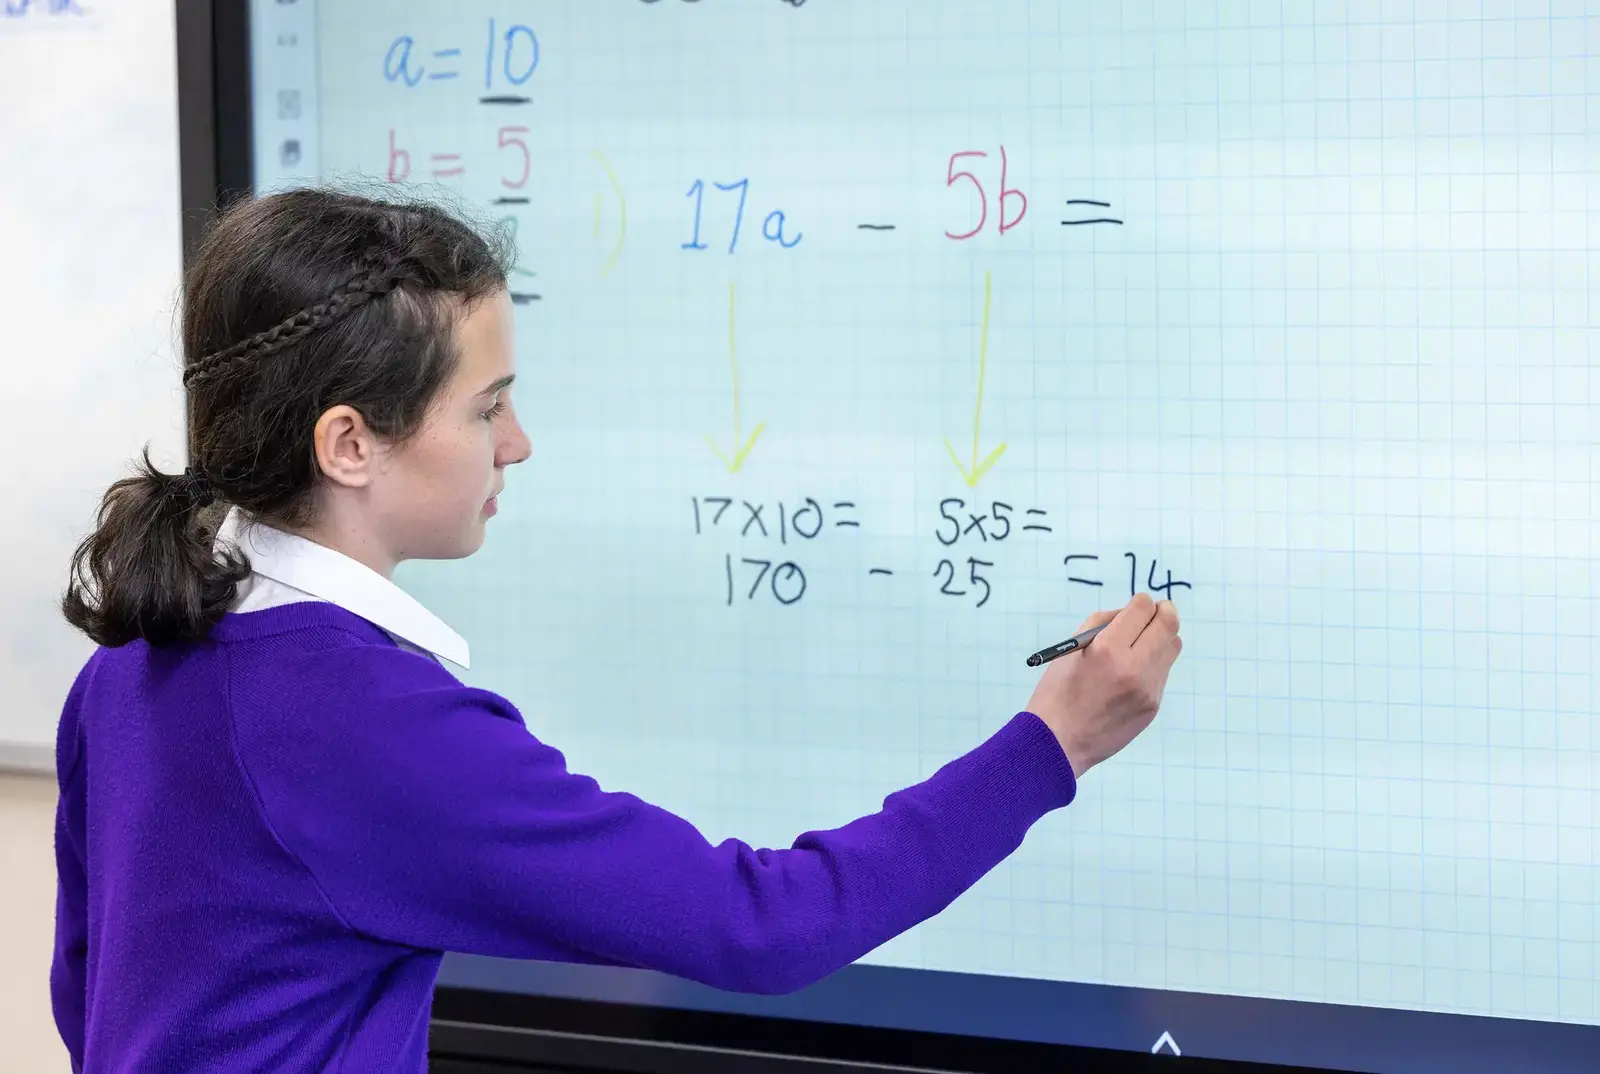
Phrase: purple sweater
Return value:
(266, 841)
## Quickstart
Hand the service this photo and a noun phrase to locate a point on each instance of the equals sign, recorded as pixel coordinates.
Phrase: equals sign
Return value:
(453, 159)
(1091, 219)
(442, 54)
(522, 298)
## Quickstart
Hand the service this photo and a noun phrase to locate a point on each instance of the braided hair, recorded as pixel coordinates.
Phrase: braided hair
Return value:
(364, 286)
(293, 303)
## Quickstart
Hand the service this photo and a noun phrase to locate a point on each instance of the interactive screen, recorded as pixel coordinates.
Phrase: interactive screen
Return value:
(868, 345)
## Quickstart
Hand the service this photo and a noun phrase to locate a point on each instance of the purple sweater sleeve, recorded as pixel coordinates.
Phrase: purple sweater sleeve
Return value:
(68, 982)
(429, 816)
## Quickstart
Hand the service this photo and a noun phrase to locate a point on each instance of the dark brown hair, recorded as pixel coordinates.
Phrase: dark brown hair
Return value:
(293, 303)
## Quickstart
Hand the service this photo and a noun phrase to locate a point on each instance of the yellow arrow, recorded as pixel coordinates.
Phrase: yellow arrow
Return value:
(741, 446)
(622, 212)
(974, 471)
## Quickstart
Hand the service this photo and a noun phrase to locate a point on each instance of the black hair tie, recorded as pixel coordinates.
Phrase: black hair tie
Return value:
(193, 485)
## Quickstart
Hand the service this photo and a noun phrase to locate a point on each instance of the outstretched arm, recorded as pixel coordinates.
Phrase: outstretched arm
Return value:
(430, 816)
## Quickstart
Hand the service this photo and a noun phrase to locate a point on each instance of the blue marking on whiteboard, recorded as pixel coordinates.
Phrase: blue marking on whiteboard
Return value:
(445, 53)
(399, 66)
(17, 9)
(533, 62)
(775, 234)
(774, 226)
(744, 192)
(488, 59)
(510, 39)
(698, 193)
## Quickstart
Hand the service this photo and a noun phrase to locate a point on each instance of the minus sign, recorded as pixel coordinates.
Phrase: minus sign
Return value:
(874, 227)
(522, 299)
(511, 201)
(505, 100)
(880, 570)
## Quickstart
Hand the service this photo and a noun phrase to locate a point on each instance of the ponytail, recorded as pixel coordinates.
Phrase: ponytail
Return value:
(148, 571)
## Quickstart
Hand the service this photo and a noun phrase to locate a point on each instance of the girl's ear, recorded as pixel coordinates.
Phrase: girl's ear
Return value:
(346, 449)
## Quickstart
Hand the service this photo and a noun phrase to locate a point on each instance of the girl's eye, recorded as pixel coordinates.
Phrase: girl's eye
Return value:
(498, 408)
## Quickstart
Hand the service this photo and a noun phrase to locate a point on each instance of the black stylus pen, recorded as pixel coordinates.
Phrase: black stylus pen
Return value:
(1077, 641)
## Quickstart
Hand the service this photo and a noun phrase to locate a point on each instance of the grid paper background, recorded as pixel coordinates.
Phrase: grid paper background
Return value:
(1333, 371)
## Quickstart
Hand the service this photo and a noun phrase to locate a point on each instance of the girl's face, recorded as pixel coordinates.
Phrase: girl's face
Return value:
(437, 490)
(430, 496)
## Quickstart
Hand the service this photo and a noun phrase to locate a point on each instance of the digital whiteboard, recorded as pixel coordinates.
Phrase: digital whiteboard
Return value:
(867, 347)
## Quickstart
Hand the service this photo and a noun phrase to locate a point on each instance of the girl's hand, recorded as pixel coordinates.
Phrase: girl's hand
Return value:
(1099, 698)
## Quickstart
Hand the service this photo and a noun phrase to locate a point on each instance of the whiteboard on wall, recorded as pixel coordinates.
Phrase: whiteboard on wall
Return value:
(90, 260)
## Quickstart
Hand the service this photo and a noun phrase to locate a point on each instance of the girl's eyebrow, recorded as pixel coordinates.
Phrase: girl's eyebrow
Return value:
(499, 385)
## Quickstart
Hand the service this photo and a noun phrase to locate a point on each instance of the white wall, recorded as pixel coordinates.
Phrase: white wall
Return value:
(90, 259)
(89, 200)
(28, 1040)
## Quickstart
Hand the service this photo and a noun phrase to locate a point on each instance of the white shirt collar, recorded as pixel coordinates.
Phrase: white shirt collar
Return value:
(287, 567)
